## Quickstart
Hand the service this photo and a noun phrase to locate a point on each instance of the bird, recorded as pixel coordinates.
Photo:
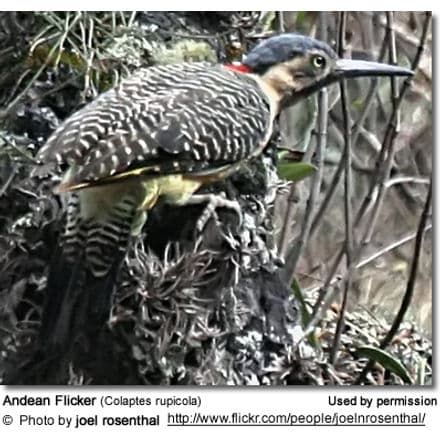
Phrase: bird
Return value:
(163, 133)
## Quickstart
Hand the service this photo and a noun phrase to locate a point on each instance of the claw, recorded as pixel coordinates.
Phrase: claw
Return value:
(214, 201)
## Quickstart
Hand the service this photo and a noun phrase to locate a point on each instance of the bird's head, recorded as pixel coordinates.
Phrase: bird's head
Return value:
(296, 66)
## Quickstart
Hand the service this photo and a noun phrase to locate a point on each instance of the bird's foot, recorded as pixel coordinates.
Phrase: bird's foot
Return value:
(214, 201)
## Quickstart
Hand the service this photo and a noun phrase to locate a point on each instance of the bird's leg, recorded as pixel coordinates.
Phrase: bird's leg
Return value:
(148, 200)
(214, 201)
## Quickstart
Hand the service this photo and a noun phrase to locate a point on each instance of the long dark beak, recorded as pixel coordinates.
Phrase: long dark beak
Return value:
(355, 68)
(346, 68)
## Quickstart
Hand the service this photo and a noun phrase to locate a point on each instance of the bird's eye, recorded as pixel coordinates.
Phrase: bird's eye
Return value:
(318, 62)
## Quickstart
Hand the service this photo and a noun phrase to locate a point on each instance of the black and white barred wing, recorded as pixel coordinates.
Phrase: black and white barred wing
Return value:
(173, 119)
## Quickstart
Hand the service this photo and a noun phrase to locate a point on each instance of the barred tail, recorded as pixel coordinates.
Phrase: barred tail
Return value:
(84, 270)
(80, 283)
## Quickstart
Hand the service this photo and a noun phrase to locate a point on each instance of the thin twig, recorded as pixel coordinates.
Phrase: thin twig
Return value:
(338, 173)
(338, 278)
(395, 124)
(393, 61)
(377, 254)
(285, 234)
(280, 21)
(132, 18)
(31, 82)
(370, 196)
(347, 196)
(409, 291)
(389, 248)
(406, 179)
(10, 178)
(386, 156)
(292, 198)
(64, 36)
(317, 160)
(372, 91)
(403, 34)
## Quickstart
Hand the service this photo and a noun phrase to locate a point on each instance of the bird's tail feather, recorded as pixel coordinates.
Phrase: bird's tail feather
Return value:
(81, 280)
(83, 273)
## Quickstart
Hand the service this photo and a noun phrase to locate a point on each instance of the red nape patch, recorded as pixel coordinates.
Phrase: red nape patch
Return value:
(238, 68)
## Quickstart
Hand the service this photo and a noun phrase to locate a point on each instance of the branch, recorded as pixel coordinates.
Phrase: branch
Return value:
(359, 123)
(370, 196)
(409, 291)
(347, 196)
(394, 129)
(317, 160)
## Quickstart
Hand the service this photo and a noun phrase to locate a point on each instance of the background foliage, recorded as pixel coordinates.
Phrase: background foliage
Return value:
(350, 236)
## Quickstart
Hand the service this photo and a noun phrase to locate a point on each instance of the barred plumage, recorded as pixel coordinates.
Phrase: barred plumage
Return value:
(163, 132)
(181, 118)
(193, 120)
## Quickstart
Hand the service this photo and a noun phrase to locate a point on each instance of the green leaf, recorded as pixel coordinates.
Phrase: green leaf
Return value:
(421, 371)
(305, 315)
(301, 18)
(268, 21)
(295, 171)
(386, 360)
(357, 103)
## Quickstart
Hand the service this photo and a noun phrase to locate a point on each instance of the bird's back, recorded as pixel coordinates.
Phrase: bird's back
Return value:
(178, 118)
